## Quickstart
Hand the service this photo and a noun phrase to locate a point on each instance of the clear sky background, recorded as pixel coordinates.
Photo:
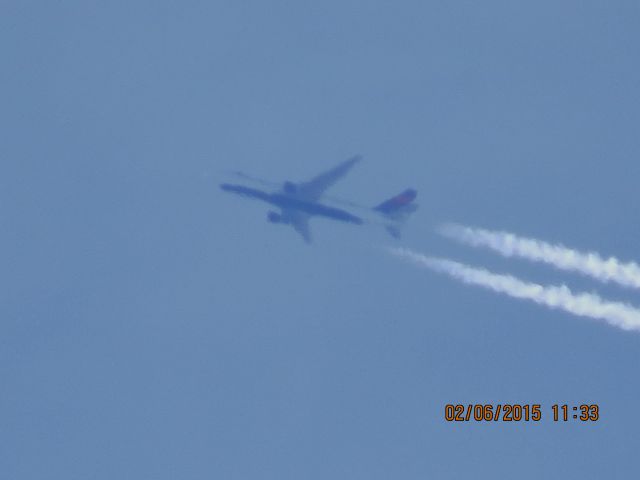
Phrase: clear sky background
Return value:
(152, 326)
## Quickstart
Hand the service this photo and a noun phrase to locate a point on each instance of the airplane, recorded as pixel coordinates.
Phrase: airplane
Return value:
(299, 202)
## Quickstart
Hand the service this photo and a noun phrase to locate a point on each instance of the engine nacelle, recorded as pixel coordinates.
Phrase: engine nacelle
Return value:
(290, 187)
(274, 217)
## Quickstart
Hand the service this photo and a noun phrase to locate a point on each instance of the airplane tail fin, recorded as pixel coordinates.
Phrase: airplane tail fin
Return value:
(396, 210)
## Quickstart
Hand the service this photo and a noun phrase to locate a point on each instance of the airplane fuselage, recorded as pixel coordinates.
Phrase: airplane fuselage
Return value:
(288, 202)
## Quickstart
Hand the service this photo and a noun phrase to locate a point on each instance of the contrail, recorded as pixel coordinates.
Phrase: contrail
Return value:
(558, 297)
(561, 257)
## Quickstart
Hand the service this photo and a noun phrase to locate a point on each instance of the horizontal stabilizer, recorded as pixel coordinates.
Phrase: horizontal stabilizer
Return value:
(396, 210)
(393, 230)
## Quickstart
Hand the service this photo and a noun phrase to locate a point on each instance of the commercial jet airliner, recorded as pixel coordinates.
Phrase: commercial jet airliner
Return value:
(299, 202)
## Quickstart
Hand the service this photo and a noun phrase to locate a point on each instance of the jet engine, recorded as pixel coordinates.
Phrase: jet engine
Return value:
(290, 187)
(274, 217)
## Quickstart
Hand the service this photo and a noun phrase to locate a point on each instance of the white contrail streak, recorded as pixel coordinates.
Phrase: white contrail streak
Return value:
(561, 257)
(559, 297)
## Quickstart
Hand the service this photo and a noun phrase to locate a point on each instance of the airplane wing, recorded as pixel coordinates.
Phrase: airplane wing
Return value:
(300, 222)
(314, 188)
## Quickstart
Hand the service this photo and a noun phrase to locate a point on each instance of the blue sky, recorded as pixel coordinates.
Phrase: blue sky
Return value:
(154, 327)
